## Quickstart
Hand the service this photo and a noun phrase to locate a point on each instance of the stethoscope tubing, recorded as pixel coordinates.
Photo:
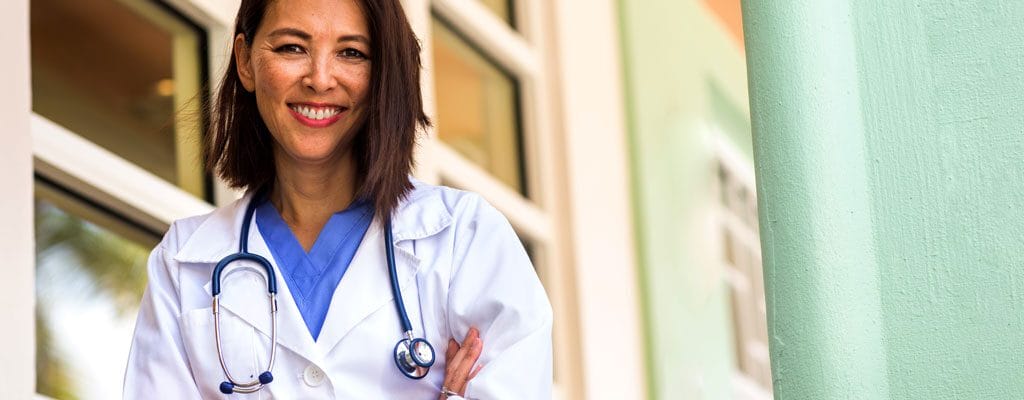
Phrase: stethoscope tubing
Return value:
(389, 251)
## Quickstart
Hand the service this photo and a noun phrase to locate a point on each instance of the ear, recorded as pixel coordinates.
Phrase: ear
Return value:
(243, 63)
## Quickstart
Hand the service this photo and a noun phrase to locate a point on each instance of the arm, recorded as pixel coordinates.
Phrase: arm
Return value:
(495, 289)
(157, 365)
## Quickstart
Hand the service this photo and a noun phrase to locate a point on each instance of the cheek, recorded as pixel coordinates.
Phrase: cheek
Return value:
(358, 83)
(272, 79)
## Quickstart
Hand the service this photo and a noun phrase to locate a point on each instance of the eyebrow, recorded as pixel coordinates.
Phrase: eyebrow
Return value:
(306, 36)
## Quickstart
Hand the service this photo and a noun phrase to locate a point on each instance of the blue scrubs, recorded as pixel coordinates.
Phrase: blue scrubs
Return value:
(312, 277)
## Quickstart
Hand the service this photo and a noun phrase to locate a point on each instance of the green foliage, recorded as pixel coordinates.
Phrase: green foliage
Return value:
(107, 265)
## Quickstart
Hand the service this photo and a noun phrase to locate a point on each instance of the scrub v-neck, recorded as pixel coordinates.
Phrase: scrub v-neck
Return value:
(312, 277)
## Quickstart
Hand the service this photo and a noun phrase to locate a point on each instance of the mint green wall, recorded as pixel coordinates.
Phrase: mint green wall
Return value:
(889, 143)
(685, 78)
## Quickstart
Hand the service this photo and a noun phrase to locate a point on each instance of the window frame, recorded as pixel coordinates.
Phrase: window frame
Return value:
(523, 52)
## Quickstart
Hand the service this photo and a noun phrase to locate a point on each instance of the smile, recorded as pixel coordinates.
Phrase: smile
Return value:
(316, 115)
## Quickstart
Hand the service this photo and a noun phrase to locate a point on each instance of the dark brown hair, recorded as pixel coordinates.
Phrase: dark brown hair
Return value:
(239, 147)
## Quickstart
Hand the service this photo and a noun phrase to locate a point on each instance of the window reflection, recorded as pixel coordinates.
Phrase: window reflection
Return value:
(124, 75)
(90, 274)
(477, 107)
(503, 9)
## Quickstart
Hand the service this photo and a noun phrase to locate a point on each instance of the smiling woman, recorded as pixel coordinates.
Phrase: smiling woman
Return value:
(316, 120)
(309, 80)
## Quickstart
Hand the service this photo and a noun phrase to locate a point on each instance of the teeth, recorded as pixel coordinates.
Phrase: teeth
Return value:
(317, 113)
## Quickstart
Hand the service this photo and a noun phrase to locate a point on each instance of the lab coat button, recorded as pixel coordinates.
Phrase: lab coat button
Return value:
(313, 375)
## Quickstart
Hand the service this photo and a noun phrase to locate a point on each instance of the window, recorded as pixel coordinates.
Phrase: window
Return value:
(741, 255)
(117, 103)
(90, 275)
(126, 76)
(477, 107)
(496, 131)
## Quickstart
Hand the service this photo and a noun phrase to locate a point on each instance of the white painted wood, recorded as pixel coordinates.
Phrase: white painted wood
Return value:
(208, 12)
(418, 13)
(113, 181)
(17, 370)
(589, 77)
(547, 178)
(525, 217)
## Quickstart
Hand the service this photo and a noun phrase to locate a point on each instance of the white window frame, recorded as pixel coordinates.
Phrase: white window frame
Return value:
(741, 173)
(17, 371)
(517, 51)
(575, 151)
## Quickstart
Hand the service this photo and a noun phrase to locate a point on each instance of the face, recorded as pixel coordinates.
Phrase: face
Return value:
(309, 66)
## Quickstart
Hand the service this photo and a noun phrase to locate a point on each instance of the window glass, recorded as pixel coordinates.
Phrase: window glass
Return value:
(90, 275)
(503, 9)
(477, 107)
(124, 75)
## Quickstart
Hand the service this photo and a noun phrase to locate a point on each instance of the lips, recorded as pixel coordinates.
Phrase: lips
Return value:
(316, 115)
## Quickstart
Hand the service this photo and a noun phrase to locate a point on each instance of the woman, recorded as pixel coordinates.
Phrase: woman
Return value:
(316, 120)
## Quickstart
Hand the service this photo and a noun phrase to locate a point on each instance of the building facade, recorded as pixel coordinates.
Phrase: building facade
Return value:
(613, 135)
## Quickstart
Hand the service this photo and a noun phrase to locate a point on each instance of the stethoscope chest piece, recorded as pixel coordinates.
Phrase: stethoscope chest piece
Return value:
(414, 357)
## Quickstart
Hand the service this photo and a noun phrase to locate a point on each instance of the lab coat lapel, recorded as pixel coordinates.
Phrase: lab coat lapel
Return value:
(253, 307)
(365, 288)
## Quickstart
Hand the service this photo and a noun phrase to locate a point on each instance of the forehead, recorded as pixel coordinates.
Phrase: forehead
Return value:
(329, 18)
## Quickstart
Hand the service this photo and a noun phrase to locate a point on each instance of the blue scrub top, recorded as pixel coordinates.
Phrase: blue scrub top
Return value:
(312, 277)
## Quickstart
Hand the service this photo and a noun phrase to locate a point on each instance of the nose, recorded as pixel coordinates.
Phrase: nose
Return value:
(320, 77)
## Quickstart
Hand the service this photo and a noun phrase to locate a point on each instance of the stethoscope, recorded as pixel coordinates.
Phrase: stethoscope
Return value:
(413, 356)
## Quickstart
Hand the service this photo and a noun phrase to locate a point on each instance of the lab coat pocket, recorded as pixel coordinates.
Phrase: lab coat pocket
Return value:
(238, 345)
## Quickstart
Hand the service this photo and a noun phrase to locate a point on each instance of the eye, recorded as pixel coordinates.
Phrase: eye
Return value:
(289, 49)
(352, 53)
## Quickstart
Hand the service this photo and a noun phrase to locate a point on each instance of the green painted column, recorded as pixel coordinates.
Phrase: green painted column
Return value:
(889, 148)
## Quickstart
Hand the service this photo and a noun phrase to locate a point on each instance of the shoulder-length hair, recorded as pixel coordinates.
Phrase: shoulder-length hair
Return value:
(239, 147)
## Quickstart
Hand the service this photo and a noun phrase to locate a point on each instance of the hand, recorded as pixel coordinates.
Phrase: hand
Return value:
(460, 360)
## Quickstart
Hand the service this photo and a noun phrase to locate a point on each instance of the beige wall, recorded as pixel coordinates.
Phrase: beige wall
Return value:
(598, 196)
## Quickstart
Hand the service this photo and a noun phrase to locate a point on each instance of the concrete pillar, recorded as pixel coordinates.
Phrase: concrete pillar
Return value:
(889, 147)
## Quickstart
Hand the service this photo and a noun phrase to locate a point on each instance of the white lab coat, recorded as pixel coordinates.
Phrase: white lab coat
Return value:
(459, 264)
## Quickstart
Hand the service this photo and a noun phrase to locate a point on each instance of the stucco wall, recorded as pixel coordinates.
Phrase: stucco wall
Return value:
(889, 143)
(684, 78)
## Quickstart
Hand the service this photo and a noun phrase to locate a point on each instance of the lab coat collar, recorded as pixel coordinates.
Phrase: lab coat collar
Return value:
(421, 214)
(364, 289)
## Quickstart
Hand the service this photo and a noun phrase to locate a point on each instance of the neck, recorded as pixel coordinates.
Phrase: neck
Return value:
(307, 195)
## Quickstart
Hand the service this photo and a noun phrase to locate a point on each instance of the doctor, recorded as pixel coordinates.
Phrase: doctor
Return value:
(316, 121)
